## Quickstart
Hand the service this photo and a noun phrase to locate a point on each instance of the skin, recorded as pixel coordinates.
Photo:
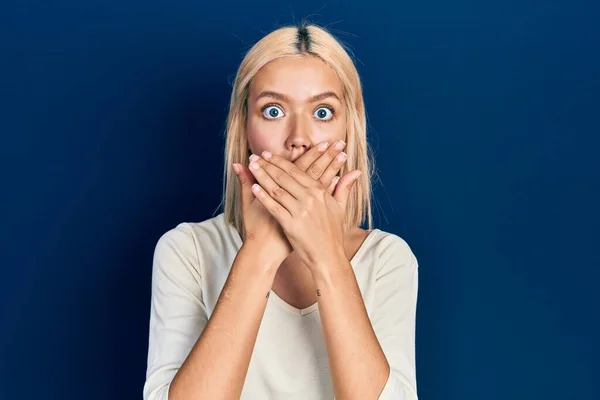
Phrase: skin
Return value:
(289, 126)
(292, 223)
(217, 365)
(295, 104)
(311, 217)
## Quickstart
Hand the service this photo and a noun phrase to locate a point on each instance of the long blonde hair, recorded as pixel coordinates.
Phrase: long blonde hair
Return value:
(292, 42)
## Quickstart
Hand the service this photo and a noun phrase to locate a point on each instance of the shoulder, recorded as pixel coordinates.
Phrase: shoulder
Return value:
(193, 238)
(391, 251)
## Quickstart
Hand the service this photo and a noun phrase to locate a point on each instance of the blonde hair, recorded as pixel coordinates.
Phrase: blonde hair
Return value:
(292, 42)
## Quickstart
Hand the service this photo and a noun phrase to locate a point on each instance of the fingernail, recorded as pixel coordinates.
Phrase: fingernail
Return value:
(255, 188)
(253, 157)
(236, 168)
(340, 145)
(266, 155)
(323, 146)
(342, 156)
(254, 165)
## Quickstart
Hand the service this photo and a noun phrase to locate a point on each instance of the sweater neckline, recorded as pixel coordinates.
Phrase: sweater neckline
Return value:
(313, 307)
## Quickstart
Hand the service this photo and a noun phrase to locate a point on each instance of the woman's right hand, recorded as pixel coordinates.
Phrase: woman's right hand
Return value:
(261, 231)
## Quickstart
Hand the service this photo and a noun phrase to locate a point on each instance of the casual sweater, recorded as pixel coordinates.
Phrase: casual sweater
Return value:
(289, 360)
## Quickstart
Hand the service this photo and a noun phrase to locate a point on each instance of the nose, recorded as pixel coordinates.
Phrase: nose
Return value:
(299, 137)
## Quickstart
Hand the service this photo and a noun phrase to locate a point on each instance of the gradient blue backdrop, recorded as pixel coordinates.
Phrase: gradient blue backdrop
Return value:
(483, 118)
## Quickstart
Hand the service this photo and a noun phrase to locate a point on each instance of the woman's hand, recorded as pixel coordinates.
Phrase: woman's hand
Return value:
(261, 229)
(311, 217)
(261, 233)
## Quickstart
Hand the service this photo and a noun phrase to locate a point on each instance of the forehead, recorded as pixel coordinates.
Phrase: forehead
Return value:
(297, 77)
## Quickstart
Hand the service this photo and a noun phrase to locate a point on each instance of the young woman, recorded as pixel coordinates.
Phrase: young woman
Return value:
(283, 295)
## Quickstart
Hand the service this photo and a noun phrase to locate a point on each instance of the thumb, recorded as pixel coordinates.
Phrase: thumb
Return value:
(345, 184)
(246, 180)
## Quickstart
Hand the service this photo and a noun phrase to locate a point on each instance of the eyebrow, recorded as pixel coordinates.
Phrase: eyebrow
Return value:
(283, 97)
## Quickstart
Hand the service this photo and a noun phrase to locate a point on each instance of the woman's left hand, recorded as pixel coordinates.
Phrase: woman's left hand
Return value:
(311, 218)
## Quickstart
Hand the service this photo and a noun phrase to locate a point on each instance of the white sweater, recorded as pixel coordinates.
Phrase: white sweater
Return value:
(289, 361)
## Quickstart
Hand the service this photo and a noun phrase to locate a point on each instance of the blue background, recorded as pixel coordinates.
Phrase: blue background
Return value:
(483, 118)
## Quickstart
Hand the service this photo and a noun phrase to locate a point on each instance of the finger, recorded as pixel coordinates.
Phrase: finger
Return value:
(292, 171)
(274, 208)
(246, 181)
(333, 169)
(318, 167)
(342, 190)
(331, 187)
(263, 172)
(306, 159)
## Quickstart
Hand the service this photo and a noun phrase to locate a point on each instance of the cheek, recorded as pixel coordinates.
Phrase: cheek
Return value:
(330, 132)
(260, 138)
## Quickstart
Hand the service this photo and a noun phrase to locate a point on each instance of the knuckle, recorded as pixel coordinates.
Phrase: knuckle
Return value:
(332, 152)
(301, 165)
(308, 202)
(315, 172)
(277, 192)
(293, 170)
(318, 192)
(279, 176)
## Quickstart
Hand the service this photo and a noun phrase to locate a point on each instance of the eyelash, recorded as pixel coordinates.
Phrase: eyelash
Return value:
(263, 108)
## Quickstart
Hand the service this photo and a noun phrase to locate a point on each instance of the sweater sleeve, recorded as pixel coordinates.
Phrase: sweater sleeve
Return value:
(177, 312)
(394, 316)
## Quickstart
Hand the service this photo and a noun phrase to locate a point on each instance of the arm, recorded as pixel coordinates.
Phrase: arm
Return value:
(190, 356)
(368, 360)
(371, 358)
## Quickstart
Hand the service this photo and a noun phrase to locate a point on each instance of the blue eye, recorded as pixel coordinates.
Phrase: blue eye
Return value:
(273, 112)
(324, 113)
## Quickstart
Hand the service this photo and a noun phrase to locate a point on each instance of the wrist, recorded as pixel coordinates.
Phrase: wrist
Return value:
(322, 268)
(263, 258)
